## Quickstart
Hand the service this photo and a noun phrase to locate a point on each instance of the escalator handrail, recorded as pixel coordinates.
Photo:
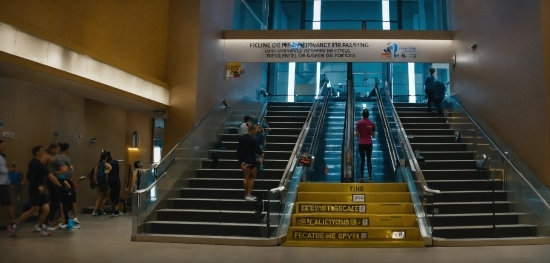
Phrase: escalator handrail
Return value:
(320, 122)
(503, 154)
(389, 138)
(415, 167)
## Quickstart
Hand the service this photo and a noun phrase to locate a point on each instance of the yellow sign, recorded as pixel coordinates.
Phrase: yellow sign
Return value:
(333, 208)
(332, 222)
(233, 70)
(329, 235)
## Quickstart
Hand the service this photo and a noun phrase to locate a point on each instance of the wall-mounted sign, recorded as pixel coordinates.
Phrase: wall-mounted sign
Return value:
(319, 50)
(233, 70)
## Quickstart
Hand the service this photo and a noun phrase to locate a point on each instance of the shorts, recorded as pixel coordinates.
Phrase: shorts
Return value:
(103, 185)
(251, 164)
(37, 199)
(5, 198)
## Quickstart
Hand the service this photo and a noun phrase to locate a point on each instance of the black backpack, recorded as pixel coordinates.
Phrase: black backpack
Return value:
(91, 177)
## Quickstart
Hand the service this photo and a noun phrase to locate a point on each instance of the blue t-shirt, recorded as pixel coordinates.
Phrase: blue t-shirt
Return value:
(265, 126)
(439, 90)
(429, 82)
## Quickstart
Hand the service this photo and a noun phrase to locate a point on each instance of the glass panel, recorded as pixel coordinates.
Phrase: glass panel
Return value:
(530, 196)
(340, 15)
(179, 166)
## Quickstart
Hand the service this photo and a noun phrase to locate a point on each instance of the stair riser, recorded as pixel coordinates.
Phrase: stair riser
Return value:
(272, 138)
(288, 108)
(226, 194)
(438, 147)
(466, 186)
(226, 217)
(432, 139)
(286, 119)
(448, 156)
(443, 165)
(453, 220)
(220, 205)
(272, 164)
(421, 120)
(469, 208)
(437, 126)
(503, 232)
(231, 184)
(285, 124)
(178, 229)
(469, 197)
(417, 132)
(237, 174)
(455, 175)
(232, 155)
(285, 113)
(284, 147)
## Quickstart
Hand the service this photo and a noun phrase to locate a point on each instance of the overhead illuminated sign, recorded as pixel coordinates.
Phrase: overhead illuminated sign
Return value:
(319, 50)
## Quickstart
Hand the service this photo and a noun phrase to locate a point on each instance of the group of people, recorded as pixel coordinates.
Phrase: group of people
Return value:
(435, 91)
(250, 152)
(51, 169)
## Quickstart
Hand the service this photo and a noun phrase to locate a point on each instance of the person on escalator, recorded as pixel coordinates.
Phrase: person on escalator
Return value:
(429, 88)
(248, 147)
(365, 131)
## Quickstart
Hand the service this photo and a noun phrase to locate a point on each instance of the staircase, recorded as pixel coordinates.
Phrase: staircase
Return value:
(353, 215)
(464, 209)
(213, 203)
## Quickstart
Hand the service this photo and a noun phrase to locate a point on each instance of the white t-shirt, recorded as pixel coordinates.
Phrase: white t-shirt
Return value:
(4, 172)
(243, 128)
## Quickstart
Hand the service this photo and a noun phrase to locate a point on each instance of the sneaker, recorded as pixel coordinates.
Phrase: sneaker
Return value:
(12, 231)
(48, 227)
(370, 179)
(63, 226)
(250, 198)
(44, 232)
(94, 213)
(76, 221)
(362, 180)
(116, 213)
(261, 167)
(101, 212)
(75, 227)
(37, 228)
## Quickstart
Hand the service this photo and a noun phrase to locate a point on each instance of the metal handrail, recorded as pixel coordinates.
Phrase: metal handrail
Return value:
(408, 152)
(320, 124)
(503, 154)
(389, 138)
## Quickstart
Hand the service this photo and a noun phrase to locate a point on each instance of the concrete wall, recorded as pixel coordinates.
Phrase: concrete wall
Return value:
(196, 67)
(34, 113)
(128, 34)
(505, 79)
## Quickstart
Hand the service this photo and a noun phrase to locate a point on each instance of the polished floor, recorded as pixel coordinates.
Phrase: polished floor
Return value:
(106, 239)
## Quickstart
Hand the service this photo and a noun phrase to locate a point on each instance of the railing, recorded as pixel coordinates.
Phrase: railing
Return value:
(315, 168)
(387, 130)
(180, 164)
(523, 187)
(420, 192)
(288, 186)
(353, 24)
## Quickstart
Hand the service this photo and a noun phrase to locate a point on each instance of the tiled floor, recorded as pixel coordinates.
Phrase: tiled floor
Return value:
(106, 239)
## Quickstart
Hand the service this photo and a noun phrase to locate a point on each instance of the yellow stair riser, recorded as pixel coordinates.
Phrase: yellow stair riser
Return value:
(354, 197)
(353, 187)
(351, 233)
(367, 244)
(353, 208)
(367, 220)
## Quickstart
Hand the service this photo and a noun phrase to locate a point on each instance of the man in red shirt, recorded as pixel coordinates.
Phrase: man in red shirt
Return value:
(365, 130)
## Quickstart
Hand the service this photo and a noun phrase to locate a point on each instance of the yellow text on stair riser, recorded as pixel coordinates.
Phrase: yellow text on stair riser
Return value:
(329, 235)
(333, 208)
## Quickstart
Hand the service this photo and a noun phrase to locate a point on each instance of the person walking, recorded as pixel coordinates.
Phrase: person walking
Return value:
(439, 95)
(243, 128)
(114, 185)
(5, 184)
(429, 89)
(365, 131)
(248, 147)
(101, 172)
(36, 175)
(63, 171)
(261, 141)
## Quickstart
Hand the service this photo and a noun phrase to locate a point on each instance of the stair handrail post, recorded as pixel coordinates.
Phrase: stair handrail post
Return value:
(349, 137)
